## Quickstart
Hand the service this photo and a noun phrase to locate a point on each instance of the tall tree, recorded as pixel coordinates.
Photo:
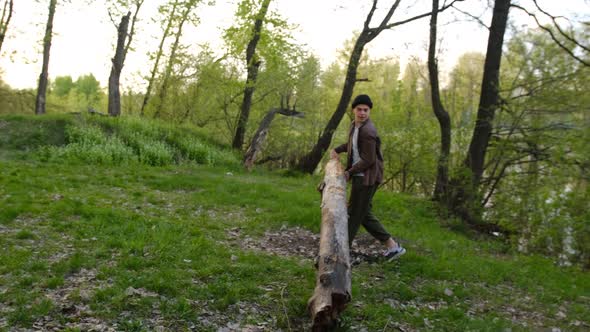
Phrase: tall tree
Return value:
(490, 96)
(169, 22)
(462, 92)
(62, 85)
(566, 40)
(469, 187)
(88, 87)
(43, 77)
(119, 7)
(118, 60)
(310, 161)
(444, 120)
(465, 200)
(7, 10)
(124, 39)
(253, 64)
(172, 59)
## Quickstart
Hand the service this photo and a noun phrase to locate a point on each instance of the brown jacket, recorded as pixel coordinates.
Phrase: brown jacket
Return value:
(371, 163)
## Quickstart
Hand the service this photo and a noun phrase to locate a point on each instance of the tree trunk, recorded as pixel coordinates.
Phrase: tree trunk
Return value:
(114, 93)
(310, 161)
(262, 132)
(159, 53)
(7, 11)
(42, 88)
(489, 100)
(168, 72)
(465, 201)
(442, 177)
(138, 5)
(253, 64)
(333, 282)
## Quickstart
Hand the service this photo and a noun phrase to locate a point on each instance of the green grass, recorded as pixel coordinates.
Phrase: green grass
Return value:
(20, 135)
(139, 246)
(107, 141)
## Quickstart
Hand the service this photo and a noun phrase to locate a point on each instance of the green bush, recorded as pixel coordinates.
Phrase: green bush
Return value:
(85, 135)
(111, 152)
(88, 143)
(224, 157)
(193, 149)
(150, 151)
(105, 140)
(155, 153)
(124, 126)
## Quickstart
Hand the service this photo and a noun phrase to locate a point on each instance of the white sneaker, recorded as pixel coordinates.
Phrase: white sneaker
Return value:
(394, 253)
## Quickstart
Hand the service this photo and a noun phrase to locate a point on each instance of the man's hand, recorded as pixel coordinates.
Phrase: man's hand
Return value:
(333, 154)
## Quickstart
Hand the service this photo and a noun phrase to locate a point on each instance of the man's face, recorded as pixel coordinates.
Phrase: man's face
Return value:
(361, 113)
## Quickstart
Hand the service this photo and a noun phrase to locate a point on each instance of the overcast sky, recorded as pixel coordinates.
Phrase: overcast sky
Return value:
(84, 36)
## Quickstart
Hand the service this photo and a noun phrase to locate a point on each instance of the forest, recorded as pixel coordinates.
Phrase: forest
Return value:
(506, 156)
(499, 141)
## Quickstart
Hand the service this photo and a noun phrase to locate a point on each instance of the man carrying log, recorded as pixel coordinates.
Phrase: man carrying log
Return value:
(364, 168)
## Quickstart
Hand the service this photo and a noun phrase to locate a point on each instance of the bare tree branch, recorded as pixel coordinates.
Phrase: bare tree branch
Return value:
(538, 84)
(5, 20)
(554, 38)
(376, 31)
(475, 18)
(394, 24)
(370, 14)
(558, 27)
(138, 5)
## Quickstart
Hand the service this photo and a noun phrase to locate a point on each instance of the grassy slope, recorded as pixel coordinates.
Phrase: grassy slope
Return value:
(138, 247)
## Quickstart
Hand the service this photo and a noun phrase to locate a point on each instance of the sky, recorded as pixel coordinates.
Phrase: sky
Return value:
(84, 36)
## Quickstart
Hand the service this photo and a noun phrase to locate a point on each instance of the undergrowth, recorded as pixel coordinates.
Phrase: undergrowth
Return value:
(117, 141)
(144, 244)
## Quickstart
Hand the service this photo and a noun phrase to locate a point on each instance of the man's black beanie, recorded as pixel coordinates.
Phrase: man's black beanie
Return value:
(362, 99)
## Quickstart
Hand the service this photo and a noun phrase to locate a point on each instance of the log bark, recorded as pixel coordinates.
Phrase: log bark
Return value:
(333, 283)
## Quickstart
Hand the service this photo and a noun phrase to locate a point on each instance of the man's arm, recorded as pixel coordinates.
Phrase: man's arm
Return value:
(337, 150)
(341, 148)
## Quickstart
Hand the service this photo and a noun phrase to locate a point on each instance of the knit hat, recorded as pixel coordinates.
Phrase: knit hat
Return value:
(362, 99)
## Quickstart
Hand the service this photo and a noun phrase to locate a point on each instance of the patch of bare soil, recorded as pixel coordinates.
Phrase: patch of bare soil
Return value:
(71, 300)
(299, 242)
(234, 318)
(285, 242)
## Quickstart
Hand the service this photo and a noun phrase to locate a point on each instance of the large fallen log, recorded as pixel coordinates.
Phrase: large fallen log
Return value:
(332, 291)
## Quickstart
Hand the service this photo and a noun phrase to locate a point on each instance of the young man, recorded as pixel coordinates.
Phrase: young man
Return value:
(365, 168)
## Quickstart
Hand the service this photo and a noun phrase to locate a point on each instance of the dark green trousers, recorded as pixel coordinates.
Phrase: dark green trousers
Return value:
(360, 204)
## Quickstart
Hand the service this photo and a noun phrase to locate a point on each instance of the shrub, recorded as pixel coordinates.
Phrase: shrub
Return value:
(150, 151)
(85, 135)
(111, 152)
(88, 143)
